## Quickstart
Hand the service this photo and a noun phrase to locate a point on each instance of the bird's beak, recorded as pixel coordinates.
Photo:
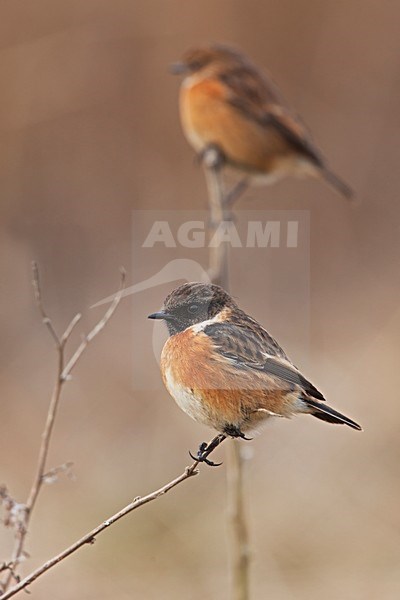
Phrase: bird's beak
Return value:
(161, 315)
(157, 315)
(178, 68)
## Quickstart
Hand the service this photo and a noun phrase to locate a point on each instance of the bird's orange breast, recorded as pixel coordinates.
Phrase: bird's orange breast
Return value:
(187, 357)
(211, 389)
(194, 378)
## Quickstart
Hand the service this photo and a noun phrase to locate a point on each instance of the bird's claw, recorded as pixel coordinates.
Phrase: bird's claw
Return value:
(235, 432)
(202, 454)
(200, 458)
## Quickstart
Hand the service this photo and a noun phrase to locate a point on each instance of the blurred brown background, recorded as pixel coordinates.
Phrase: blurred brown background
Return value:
(89, 132)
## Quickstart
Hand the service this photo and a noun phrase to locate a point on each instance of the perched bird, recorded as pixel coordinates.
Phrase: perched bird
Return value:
(225, 370)
(228, 103)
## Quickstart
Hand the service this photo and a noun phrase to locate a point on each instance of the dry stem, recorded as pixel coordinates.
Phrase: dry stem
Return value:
(240, 556)
(63, 374)
(90, 537)
(219, 202)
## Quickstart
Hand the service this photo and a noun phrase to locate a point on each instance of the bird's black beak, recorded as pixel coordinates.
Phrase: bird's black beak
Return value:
(157, 315)
(161, 315)
(178, 68)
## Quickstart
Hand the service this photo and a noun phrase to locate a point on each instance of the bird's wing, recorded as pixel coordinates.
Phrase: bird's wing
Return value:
(292, 128)
(251, 347)
(256, 98)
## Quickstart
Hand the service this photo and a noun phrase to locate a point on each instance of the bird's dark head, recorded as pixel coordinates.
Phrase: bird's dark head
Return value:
(192, 303)
(196, 59)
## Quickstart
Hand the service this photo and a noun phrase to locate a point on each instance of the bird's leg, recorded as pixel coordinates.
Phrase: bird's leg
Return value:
(205, 450)
(212, 158)
(235, 432)
(234, 193)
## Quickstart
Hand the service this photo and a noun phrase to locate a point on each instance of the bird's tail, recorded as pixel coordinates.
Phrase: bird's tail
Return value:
(338, 184)
(326, 413)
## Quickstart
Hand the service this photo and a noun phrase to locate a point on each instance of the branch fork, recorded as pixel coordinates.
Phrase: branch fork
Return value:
(21, 522)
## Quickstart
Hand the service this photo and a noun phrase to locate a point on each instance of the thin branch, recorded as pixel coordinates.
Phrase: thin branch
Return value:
(95, 331)
(38, 297)
(90, 537)
(62, 375)
(65, 336)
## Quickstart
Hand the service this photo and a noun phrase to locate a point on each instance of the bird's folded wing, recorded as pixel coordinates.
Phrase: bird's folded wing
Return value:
(254, 348)
(294, 130)
(289, 373)
(258, 100)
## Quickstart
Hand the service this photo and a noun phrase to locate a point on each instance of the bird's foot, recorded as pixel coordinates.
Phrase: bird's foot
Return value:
(235, 432)
(211, 157)
(205, 450)
(202, 454)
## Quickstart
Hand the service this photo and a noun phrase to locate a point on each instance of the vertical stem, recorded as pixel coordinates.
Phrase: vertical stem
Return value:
(237, 522)
(219, 274)
(219, 250)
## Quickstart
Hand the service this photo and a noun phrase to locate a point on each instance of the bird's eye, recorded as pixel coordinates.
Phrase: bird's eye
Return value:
(193, 309)
(195, 65)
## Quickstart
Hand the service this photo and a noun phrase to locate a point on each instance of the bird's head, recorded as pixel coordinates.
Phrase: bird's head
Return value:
(192, 303)
(197, 59)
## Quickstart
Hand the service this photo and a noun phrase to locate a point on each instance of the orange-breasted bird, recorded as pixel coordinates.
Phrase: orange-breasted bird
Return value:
(225, 370)
(228, 103)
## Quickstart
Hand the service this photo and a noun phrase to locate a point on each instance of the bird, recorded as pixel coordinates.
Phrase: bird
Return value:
(227, 103)
(226, 371)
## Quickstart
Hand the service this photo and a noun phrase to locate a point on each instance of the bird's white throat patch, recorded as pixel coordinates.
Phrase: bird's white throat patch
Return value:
(218, 318)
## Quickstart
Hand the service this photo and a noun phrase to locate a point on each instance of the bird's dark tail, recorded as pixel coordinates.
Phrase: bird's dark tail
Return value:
(338, 184)
(326, 413)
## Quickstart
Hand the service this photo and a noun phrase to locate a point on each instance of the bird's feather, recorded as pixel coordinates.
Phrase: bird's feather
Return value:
(257, 99)
(251, 347)
(326, 413)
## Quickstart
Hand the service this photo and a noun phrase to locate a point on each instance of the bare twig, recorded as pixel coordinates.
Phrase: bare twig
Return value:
(63, 373)
(220, 203)
(65, 336)
(38, 297)
(96, 329)
(90, 537)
